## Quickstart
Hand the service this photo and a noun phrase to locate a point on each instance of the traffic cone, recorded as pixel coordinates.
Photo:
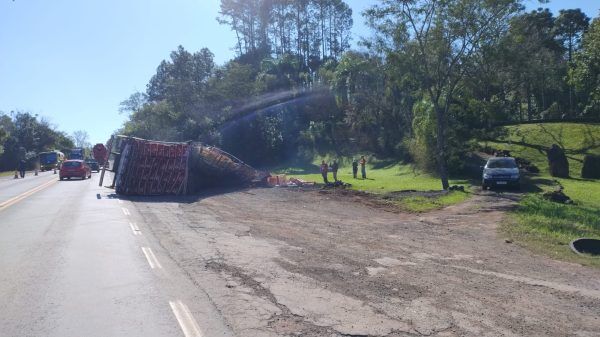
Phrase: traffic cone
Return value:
(16, 174)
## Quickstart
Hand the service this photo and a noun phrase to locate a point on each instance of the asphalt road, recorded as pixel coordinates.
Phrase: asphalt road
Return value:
(74, 261)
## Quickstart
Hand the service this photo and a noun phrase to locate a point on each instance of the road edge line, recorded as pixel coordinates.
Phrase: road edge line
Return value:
(186, 320)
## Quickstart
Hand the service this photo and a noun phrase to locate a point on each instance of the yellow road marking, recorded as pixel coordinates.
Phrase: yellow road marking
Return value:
(22, 196)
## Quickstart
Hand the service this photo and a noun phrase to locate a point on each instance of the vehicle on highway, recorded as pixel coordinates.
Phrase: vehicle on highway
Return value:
(75, 169)
(50, 160)
(76, 153)
(93, 164)
(501, 171)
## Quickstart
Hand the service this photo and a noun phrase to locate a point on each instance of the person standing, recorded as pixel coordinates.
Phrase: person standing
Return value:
(363, 169)
(354, 167)
(334, 169)
(22, 168)
(324, 170)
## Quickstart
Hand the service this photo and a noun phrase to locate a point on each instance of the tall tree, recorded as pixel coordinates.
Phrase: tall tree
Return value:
(585, 74)
(442, 37)
(570, 26)
(25, 136)
(309, 29)
(81, 138)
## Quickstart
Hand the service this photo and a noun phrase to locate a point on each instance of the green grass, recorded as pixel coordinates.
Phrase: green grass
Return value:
(385, 177)
(544, 226)
(388, 179)
(548, 228)
(529, 141)
(425, 204)
(381, 177)
(7, 173)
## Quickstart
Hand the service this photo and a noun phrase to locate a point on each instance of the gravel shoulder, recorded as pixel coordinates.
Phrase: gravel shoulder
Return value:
(281, 262)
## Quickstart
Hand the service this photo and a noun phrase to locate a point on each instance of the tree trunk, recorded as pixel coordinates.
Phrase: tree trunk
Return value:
(528, 102)
(441, 146)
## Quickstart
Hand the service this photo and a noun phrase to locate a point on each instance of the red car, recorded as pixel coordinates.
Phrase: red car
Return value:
(75, 168)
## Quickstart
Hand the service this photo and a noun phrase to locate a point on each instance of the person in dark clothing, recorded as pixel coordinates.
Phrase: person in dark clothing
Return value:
(22, 168)
(354, 167)
(324, 170)
(363, 169)
(334, 169)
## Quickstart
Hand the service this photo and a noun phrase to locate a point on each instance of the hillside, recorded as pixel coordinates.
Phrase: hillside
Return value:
(530, 140)
(544, 226)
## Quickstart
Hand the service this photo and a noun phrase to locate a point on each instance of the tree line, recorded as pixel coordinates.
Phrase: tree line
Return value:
(433, 77)
(312, 30)
(23, 136)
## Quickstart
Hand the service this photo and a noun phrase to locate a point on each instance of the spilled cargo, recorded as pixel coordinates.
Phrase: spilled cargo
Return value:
(146, 167)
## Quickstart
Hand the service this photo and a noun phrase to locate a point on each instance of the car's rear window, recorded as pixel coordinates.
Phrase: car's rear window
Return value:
(71, 164)
(502, 163)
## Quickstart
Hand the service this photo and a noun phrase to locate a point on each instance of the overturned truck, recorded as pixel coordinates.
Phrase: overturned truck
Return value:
(146, 167)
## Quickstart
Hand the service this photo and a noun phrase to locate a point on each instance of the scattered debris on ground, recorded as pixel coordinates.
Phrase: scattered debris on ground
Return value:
(281, 180)
(557, 196)
(339, 184)
(527, 165)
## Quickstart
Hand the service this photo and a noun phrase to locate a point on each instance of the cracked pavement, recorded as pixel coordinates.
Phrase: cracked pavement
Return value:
(279, 262)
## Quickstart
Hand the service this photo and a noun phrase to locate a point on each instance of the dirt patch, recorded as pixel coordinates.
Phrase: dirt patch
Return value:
(285, 262)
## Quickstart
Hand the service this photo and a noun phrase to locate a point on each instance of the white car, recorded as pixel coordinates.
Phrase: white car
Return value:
(501, 172)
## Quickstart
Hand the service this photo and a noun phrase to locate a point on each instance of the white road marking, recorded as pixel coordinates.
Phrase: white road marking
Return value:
(152, 260)
(188, 324)
(135, 229)
(125, 211)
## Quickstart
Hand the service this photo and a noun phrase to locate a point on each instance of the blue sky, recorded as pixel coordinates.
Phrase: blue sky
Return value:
(73, 61)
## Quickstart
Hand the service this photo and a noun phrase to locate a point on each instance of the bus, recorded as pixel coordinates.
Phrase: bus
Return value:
(76, 153)
(51, 160)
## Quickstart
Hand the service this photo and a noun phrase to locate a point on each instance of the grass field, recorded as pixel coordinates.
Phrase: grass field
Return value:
(424, 204)
(544, 226)
(7, 173)
(384, 177)
(530, 141)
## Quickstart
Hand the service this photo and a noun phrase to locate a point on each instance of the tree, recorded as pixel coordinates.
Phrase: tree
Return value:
(441, 38)
(585, 74)
(570, 26)
(4, 122)
(312, 30)
(135, 102)
(81, 139)
(181, 79)
(23, 136)
(533, 56)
